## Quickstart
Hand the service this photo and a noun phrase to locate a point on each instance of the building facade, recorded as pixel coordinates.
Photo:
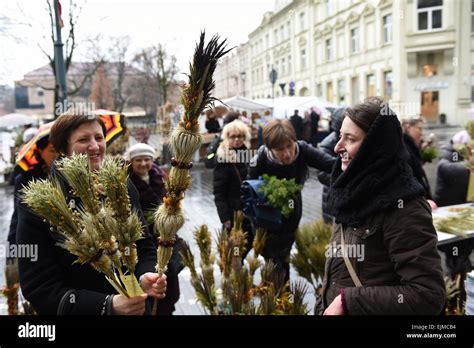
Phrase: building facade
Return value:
(418, 54)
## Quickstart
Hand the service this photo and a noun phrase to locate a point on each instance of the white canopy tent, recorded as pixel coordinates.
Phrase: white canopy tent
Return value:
(244, 104)
(286, 106)
(16, 120)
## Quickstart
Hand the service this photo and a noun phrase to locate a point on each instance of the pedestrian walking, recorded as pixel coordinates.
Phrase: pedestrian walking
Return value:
(297, 123)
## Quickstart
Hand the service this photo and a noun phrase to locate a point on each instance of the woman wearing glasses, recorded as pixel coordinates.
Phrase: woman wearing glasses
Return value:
(230, 170)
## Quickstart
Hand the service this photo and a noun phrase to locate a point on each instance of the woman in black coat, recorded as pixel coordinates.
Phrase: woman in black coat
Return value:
(286, 158)
(52, 282)
(231, 170)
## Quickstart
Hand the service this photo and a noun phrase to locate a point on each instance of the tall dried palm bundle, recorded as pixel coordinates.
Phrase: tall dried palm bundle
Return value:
(239, 294)
(202, 236)
(102, 234)
(113, 176)
(205, 289)
(185, 140)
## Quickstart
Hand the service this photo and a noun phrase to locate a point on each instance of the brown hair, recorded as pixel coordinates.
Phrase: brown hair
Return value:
(365, 113)
(277, 132)
(66, 124)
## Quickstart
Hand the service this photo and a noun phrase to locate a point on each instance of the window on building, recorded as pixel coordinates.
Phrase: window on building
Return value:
(267, 41)
(329, 92)
(429, 13)
(282, 33)
(289, 64)
(275, 36)
(283, 66)
(355, 40)
(370, 40)
(388, 85)
(341, 91)
(40, 91)
(355, 90)
(370, 85)
(340, 45)
(328, 49)
(302, 21)
(303, 59)
(328, 5)
(387, 28)
(288, 29)
(319, 90)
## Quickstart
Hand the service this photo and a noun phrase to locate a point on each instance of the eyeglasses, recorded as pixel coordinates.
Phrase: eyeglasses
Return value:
(236, 137)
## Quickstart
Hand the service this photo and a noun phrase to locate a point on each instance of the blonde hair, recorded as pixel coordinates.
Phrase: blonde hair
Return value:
(410, 122)
(235, 126)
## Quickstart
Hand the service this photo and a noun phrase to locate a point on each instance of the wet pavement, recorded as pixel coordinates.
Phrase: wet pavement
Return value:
(199, 209)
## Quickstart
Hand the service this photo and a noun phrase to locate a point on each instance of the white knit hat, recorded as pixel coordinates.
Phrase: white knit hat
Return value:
(140, 149)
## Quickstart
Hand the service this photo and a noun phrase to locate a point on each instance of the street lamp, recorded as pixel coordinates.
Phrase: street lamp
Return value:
(243, 76)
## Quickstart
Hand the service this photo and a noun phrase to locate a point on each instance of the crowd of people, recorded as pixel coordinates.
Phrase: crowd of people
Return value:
(375, 194)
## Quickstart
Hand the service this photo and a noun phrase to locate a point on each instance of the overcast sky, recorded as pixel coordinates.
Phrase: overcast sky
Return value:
(174, 23)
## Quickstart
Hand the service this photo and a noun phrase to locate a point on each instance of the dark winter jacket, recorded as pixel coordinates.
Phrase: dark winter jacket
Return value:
(297, 123)
(151, 195)
(452, 178)
(213, 126)
(380, 208)
(53, 283)
(21, 180)
(226, 186)
(327, 145)
(416, 164)
(279, 245)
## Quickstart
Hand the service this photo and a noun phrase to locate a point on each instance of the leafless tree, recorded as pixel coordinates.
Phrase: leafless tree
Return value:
(158, 69)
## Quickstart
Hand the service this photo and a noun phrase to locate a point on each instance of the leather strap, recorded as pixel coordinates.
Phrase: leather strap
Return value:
(352, 273)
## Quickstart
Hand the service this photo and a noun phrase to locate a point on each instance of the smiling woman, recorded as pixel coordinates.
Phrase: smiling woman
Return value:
(55, 283)
(379, 209)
